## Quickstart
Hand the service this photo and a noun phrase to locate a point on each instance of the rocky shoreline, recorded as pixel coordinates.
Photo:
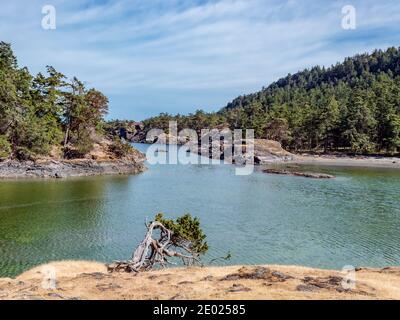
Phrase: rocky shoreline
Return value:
(311, 175)
(55, 169)
(265, 151)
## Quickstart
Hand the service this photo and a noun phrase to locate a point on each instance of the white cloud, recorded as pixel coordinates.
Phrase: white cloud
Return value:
(138, 47)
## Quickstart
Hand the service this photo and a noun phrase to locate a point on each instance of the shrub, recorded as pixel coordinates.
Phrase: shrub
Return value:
(24, 154)
(84, 145)
(5, 148)
(38, 135)
(119, 148)
(186, 228)
(80, 147)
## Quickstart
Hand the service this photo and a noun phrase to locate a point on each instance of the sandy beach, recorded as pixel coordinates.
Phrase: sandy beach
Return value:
(81, 280)
(348, 161)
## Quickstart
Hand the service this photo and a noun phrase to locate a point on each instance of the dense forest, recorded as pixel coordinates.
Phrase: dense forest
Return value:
(352, 106)
(46, 113)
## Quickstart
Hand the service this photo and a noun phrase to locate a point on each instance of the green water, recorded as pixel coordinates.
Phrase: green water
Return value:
(261, 219)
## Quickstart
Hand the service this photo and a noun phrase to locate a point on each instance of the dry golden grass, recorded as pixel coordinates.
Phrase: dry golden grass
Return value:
(90, 280)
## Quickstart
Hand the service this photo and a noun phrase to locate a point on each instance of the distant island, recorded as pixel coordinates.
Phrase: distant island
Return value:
(54, 127)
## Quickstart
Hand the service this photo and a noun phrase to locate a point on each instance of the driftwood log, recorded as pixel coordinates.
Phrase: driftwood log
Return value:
(152, 251)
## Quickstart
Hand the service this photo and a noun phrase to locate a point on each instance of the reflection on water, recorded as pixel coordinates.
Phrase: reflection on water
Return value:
(351, 220)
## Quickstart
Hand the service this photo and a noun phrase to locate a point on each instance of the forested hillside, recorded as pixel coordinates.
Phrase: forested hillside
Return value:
(46, 112)
(352, 106)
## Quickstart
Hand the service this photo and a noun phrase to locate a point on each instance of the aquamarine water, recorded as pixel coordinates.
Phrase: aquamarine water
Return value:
(261, 219)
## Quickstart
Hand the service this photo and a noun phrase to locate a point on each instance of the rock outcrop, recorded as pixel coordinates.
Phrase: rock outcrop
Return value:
(311, 175)
(67, 168)
(100, 161)
(267, 151)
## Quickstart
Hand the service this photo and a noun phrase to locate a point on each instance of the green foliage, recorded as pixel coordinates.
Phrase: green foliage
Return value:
(352, 106)
(227, 257)
(23, 154)
(5, 147)
(186, 228)
(37, 113)
(7, 58)
(197, 121)
(82, 144)
(39, 134)
(278, 129)
(119, 148)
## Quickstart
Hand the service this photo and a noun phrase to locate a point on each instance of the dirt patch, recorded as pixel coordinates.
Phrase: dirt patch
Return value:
(257, 273)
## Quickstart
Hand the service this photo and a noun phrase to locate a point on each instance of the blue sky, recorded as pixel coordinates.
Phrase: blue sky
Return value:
(152, 56)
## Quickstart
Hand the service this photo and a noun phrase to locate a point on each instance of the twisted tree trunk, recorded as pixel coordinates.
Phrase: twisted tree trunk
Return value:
(155, 251)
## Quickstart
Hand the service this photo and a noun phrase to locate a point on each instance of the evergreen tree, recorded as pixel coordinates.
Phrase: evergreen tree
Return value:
(38, 113)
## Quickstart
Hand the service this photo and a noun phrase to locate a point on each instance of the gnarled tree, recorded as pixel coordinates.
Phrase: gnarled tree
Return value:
(165, 239)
